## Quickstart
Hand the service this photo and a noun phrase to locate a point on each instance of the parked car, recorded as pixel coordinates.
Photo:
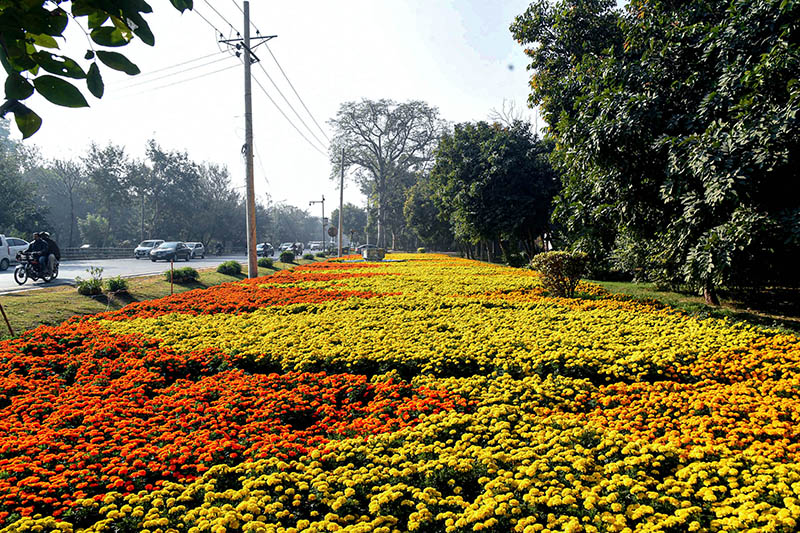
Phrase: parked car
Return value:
(198, 250)
(286, 246)
(144, 248)
(315, 246)
(265, 249)
(171, 251)
(9, 246)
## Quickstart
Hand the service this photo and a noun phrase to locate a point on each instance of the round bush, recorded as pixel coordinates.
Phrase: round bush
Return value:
(231, 268)
(560, 271)
(321, 254)
(309, 257)
(287, 256)
(117, 284)
(183, 275)
(265, 262)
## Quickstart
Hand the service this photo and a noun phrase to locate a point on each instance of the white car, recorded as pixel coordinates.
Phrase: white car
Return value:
(198, 250)
(286, 246)
(9, 247)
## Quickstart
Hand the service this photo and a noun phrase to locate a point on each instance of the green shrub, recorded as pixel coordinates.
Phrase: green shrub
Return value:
(231, 268)
(421, 250)
(93, 285)
(516, 260)
(117, 284)
(309, 257)
(560, 271)
(321, 254)
(287, 256)
(183, 275)
(265, 262)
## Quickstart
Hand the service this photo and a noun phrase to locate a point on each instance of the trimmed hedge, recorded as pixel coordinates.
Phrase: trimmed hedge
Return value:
(561, 271)
(183, 275)
(231, 268)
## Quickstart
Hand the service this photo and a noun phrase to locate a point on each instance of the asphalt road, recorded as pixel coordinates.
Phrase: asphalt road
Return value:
(67, 270)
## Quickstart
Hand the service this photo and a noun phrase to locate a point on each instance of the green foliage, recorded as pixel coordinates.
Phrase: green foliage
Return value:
(22, 211)
(561, 271)
(94, 229)
(287, 256)
(93, 285)
(309, 257)
(678, 141)
(322, 254)
(231, 268)
(117, 284)
(265, 262)
(188, 274)
(494, 182)
(30, 31)
(421, 250)
(385, 143)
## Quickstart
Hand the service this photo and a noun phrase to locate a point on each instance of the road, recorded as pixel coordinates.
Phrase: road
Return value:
(111, 267)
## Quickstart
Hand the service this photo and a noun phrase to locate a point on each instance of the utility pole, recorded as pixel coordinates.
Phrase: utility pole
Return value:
(341, 206)
(250, 200)
(312, 202)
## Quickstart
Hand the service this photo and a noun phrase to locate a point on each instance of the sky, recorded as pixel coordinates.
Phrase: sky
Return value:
(457, 55)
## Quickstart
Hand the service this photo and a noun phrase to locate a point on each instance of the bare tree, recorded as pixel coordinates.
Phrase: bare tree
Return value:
(70, 176)
(384, 140)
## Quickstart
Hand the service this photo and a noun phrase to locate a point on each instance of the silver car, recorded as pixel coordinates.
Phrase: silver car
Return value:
(143, 250)
(198, 250)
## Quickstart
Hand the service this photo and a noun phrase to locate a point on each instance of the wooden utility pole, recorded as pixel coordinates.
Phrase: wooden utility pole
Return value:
(252, 259)
(341, 205)
(250, 199)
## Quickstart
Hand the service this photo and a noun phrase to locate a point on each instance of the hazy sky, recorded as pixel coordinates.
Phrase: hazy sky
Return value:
(456, 55)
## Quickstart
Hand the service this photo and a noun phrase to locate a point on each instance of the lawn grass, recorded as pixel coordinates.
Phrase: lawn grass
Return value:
(776, 308)
(51, 306)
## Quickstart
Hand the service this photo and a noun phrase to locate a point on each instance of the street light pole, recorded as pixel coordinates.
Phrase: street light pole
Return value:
(323, 217)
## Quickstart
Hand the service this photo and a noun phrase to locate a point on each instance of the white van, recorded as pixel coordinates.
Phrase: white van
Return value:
(9, 246)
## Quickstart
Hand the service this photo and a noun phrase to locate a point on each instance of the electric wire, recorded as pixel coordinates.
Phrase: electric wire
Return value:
(183, 81)
(194, 10)
(222, 17)
(176, 65)
(258, 32)
(288, 119)
(177, 72)
(303, 122)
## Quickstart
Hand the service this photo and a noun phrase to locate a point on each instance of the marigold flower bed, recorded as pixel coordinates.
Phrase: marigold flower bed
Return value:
(424, 394)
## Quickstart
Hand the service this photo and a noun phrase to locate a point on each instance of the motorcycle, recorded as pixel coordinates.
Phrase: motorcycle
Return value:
(29, 267)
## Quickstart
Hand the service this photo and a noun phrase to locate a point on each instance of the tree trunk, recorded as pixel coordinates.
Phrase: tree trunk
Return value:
(71, 217)
(502, 248)
(710, 295)
(381, 237)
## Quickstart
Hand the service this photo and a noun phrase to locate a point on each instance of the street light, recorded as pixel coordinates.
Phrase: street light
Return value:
(312, 202)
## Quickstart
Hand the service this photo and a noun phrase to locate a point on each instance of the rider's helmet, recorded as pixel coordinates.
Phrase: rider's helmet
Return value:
(44, 234)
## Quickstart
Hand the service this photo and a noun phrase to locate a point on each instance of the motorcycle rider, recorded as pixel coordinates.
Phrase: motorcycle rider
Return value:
(54, 253)
(39, 245)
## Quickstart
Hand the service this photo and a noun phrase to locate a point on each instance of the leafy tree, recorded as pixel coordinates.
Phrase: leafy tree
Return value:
(354, 219)
(424, 216)
(28, 33)
(70, 177)
(679, 130)
(94, 229)
(496, 183)
(107, 171)
(22, 210)
(384, 141)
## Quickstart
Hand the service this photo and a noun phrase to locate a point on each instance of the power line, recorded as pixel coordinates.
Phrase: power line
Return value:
(220, 16)
(296, 94)
(185, 81)
(258, 32)
(176, 65)
(288, 119)
(194, 10)
(179, 71)
(303, 122)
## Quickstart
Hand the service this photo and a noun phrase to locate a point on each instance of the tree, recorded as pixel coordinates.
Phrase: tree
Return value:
(495, 183)
(682, 135)
(384, 141)
(28, 31)
(424, 216)
(354, 219)
(108, 170)
(70, 177)
(94, 229)
(22, 211)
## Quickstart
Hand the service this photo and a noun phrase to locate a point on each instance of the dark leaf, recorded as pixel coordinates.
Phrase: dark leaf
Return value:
(17, 87)
(182, 5)
(89, 54)
(94, 81)
(27, 121)
(59, 92)
(96, 19)
(118, 62)
(108, 36)
(61, 65)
